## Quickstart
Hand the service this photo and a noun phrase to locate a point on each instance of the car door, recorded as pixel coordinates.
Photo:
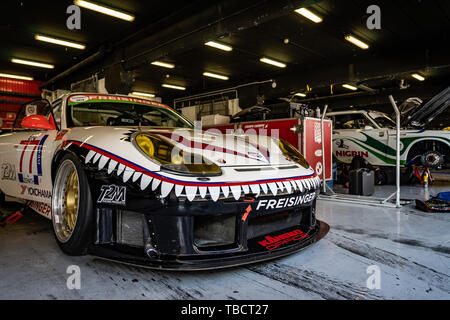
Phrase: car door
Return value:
(355, 135)
(26, 156)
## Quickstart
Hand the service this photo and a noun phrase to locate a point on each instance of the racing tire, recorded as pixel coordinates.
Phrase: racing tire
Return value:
(72, 207)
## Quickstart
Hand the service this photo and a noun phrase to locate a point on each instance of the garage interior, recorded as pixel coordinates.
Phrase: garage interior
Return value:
(204, 59)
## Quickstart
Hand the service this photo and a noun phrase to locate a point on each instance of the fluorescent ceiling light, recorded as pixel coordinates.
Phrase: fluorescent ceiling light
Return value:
(151, 95)
(60, 42)
(418, 76)
(347, 86)
(357, 42)
(273, 62)
(214, 75)
(299, 94)
(110, 12)
(308, 14)
(33, 63)
(163, 64)
(13, 76)
(218, 46)
(171, 86)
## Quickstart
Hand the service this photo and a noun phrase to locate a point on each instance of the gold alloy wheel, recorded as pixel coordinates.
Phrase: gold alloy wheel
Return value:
(71, 200)
(65, 200)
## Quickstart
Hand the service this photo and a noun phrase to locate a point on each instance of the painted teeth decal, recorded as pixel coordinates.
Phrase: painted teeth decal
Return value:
(299, 185)
(145, 181)
(178, 189)
(136, 176)
(156, 183)
(287, 185)
(264, 188)
(166, 187)
(127, 174)
(281, 186)
(191, 192)
(120, 169)
(255, 189)
(214, 192)
(236, 191)
(102, 163)
(89, 156)
(97, 156)
(273, 188)
(226, 191)
(202, 191)
(111, 166)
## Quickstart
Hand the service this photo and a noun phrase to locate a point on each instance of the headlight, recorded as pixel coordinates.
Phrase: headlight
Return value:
(292, 153)
(174, 159)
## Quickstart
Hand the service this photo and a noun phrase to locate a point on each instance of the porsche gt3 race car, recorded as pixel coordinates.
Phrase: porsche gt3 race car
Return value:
(131, 180)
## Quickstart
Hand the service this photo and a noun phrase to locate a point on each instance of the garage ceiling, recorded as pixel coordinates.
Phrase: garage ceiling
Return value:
(413, 38)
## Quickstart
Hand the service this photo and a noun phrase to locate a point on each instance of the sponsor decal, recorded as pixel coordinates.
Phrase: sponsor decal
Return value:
(271, 243)
(41, 208)
(112, 194)
(96, 98)
(8, 172)
(30, 110)
(268, 204)
(318, 153)
(30, 162)
(78, 99)
(340, 144)
(319, 168)
(349, 153)
(317, 133)
(36, 192)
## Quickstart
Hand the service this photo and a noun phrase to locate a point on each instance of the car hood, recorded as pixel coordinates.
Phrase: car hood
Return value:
(420, 115)
(247, 167)
(224, 150)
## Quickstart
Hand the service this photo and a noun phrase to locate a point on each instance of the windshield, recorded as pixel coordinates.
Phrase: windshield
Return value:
(383, 121)
(93, 112)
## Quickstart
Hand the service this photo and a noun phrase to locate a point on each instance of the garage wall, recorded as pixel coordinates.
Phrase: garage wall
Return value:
(13, 93)
(222, 107)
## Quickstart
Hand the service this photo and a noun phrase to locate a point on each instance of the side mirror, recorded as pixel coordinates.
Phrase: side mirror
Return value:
(37, 122)
(368, 128)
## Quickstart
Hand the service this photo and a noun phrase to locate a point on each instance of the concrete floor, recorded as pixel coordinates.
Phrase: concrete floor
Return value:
(411, 249)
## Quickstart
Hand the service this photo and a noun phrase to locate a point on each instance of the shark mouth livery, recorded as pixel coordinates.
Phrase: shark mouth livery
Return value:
(133, 181)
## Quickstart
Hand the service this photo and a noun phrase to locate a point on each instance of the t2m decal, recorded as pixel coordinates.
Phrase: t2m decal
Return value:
(30, 160)
(280, 203)
(112, 194)
(36, 192)
(271, 243)
(8, 172)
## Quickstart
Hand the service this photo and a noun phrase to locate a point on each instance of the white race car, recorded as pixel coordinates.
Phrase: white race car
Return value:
(132, 180)
(371, 135)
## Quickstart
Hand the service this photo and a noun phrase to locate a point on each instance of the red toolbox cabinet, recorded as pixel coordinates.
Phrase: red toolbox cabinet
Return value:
(303, 133)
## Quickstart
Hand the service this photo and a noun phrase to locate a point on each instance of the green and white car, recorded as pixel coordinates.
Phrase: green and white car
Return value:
(372, 136)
